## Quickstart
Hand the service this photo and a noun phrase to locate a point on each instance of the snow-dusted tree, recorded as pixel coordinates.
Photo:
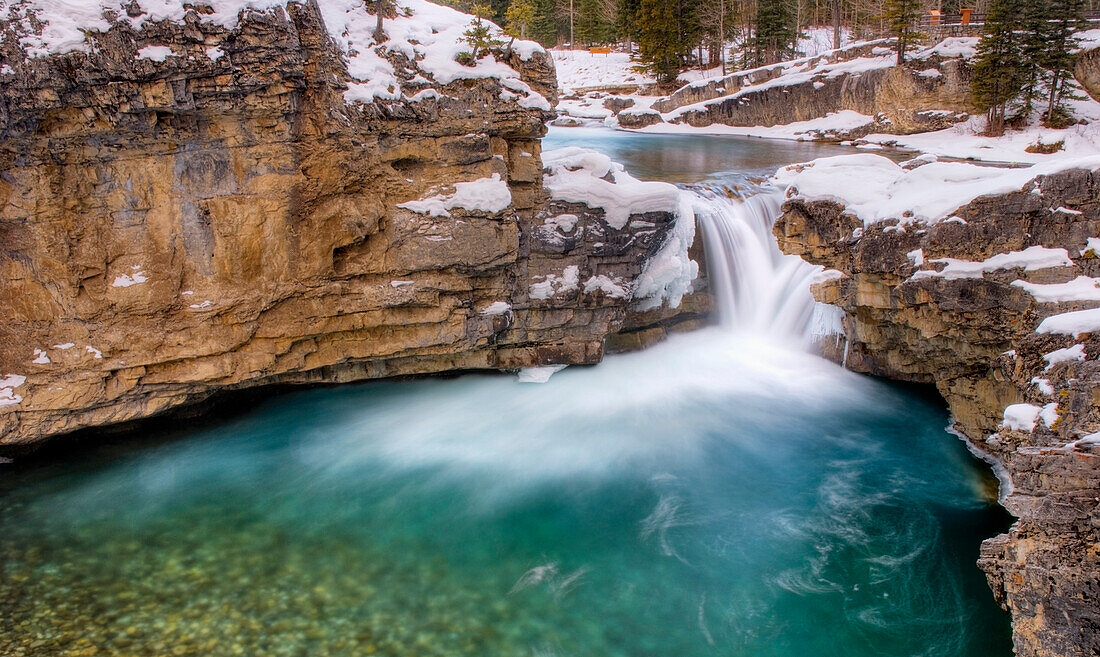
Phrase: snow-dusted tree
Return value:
(901, 19)
(1000, 71)
(1062, 18)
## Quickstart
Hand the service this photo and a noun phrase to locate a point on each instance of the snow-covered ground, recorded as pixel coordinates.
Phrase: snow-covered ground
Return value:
(579, 70)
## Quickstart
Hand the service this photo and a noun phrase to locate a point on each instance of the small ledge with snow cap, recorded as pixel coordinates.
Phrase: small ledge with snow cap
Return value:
(490, 195)
(1032, 258)
(579, 175)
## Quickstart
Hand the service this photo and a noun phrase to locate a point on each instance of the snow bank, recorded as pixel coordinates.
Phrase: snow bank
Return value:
(1075, 353)
(964, 47)
(1072, 323)
(874, 188)
(489, 195)
(834, 122)
(1081, 288)
(1030, 259)
(1021, 417)
(579, 70)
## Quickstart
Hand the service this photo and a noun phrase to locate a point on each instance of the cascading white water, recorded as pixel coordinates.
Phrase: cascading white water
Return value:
(757, 288)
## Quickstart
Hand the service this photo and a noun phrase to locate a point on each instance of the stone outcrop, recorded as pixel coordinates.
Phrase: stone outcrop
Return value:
(1087, 71)
(171, 229)
(975, 338)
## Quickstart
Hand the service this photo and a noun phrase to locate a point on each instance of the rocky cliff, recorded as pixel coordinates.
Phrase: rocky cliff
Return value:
(199, 199)
(984, 304)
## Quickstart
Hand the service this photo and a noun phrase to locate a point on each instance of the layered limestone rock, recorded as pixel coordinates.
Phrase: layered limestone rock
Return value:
(957, 303)
(188, 207)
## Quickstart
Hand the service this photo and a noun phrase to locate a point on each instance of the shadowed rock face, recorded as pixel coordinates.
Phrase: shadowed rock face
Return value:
(172, 229)
(1087, 71)
(975, 340)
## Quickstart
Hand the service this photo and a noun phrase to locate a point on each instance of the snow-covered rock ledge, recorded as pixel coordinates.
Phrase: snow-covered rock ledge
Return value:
(985, 283)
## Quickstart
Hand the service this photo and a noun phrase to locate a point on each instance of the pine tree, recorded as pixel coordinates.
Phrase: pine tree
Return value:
(658, 37)
(901, 17)
(478, 36)
(1064, 17)
(1000, 68)
(519, 15)
(775, 31)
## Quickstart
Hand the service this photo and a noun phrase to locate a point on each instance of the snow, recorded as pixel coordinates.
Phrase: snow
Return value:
(1067, 355)
(497, 308)
(612, 287)
(1071, 323)
(489, 195)
(538, 374)
(8, 384)
(1030, 259)
(200, 306)
(916, 257)
(579, 70)
(1081, 288)
(1092, 245)
(965, 140)
(155, 53)
(40, 357)
(1043, 385)
(128, 280)
(874, 188)
(396, 284)
(215, 53)
(1049, 414)
(64, 346)
(1021, 417)
(554, 284)
(965, 47)
(96, 353)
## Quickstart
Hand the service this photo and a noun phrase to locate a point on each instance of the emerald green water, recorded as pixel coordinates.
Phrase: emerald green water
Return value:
(715, 495)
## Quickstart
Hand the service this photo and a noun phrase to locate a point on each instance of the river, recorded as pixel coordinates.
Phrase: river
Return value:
(723, 493)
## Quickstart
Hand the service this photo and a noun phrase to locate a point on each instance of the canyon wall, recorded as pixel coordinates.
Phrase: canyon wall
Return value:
(957, 304)
(187, 208)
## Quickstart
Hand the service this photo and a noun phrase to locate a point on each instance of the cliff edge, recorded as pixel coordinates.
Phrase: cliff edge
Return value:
(986, 283)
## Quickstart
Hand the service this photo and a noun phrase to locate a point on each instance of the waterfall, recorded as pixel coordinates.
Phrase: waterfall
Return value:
(757, 288)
